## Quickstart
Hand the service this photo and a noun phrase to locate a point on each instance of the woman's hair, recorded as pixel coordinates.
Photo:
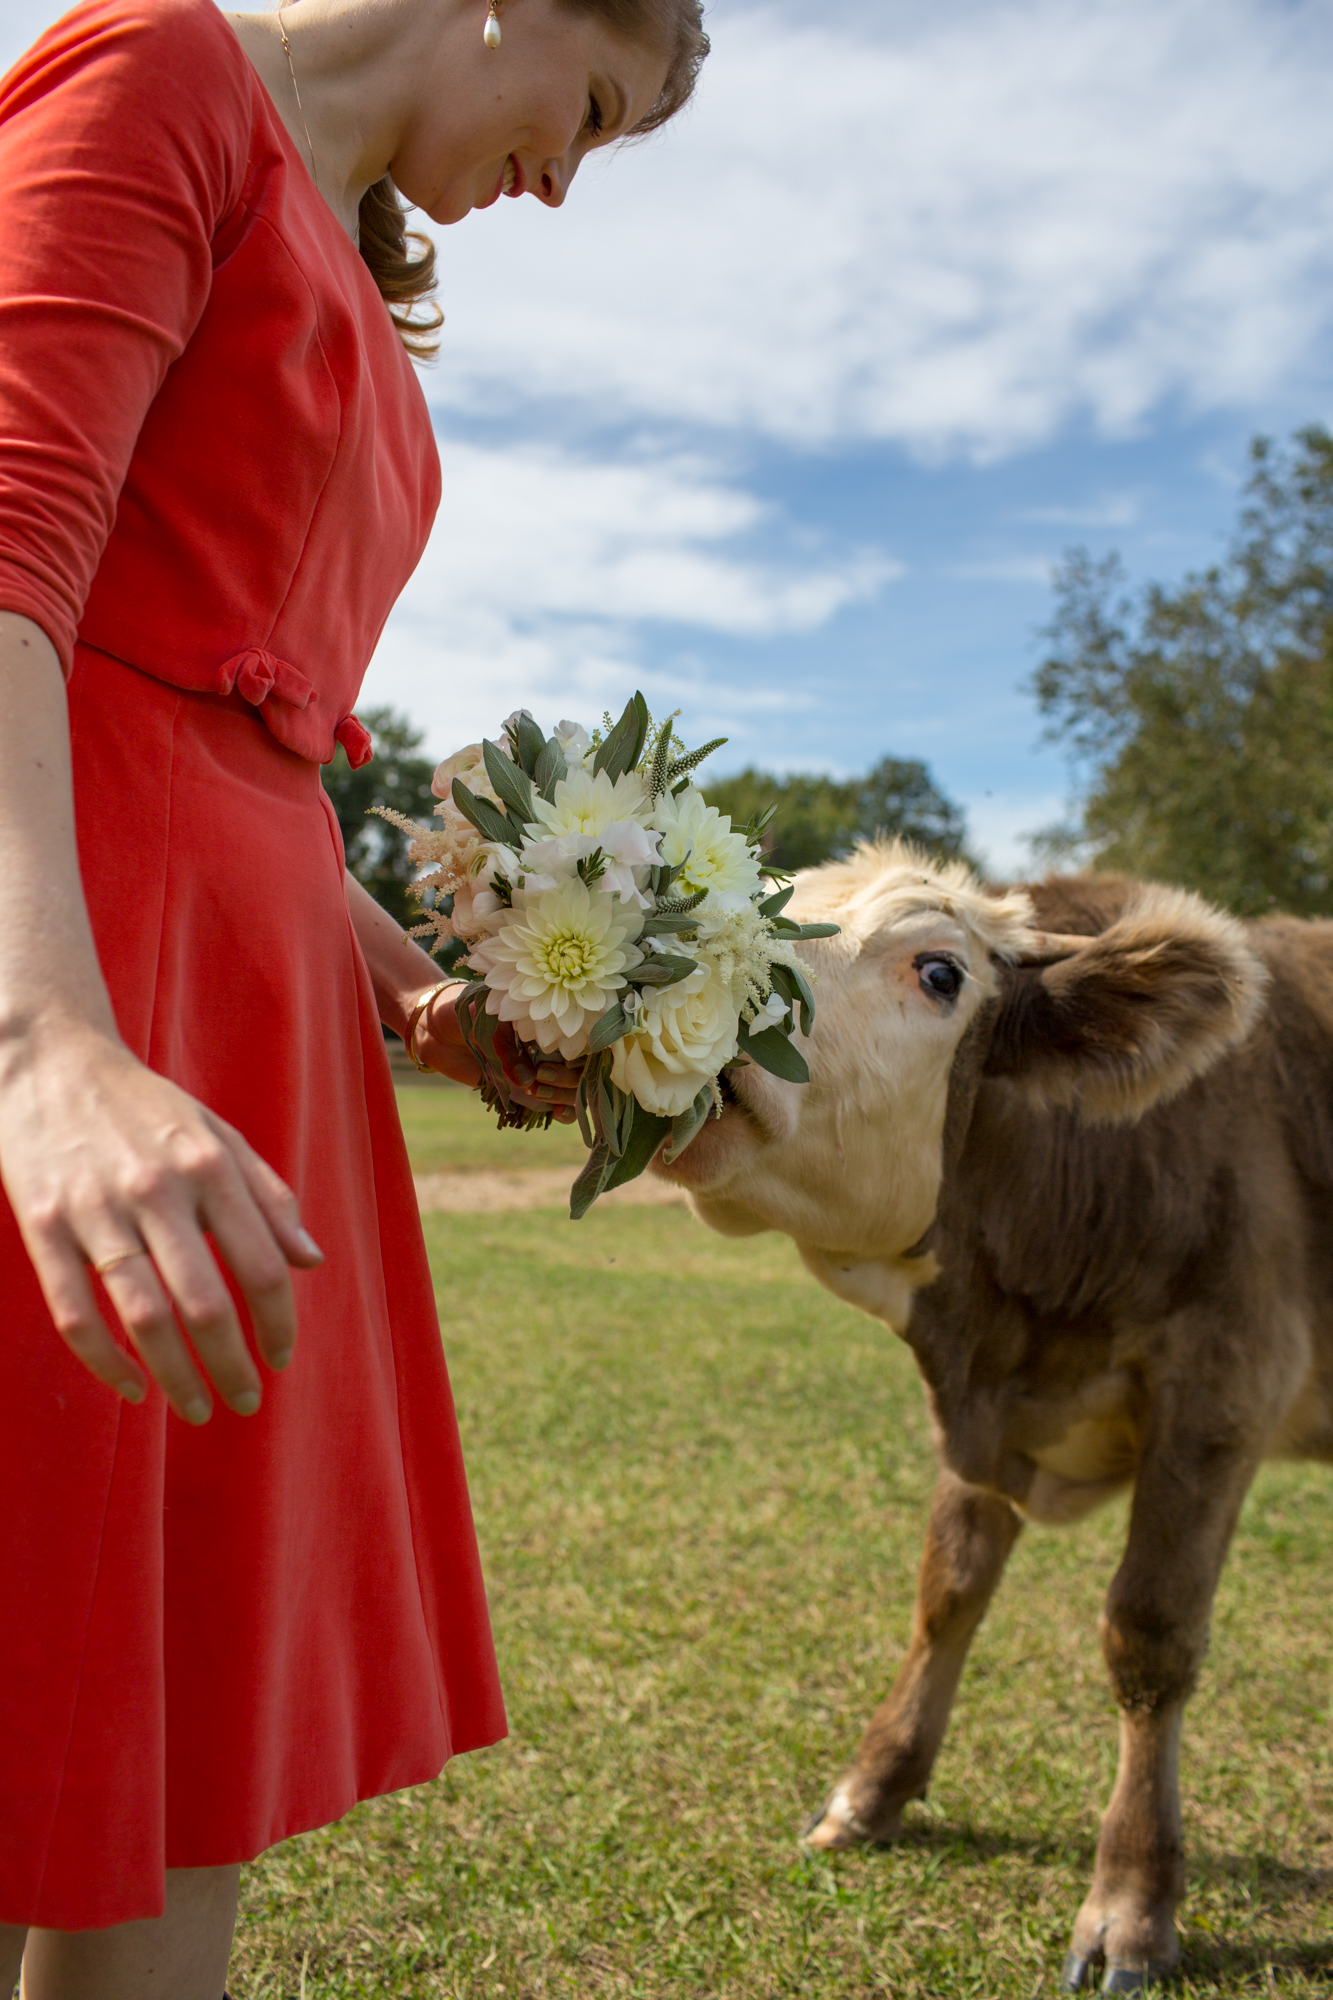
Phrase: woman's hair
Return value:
(402, 263)
(402, 260)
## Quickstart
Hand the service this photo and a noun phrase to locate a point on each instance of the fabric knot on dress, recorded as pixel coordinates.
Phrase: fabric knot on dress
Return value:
(356, 741)
(256, 674)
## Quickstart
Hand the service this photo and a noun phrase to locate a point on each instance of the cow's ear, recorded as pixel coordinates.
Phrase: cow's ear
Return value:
(1125, 1019)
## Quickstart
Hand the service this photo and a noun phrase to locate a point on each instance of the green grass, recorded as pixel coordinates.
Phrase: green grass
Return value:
(700, 1488)
(450, 1129)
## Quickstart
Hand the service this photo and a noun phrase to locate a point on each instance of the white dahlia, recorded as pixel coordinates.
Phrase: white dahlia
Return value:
(682, 1036)
(698, 838)
(558, 963)
(588, 803)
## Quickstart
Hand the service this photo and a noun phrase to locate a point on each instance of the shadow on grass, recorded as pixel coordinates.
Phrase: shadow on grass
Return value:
(958, 1842)
(1231, 1964)
(1260, 1869)
(958, 1839)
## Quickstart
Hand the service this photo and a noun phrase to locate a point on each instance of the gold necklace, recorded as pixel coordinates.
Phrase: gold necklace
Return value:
(296, 92)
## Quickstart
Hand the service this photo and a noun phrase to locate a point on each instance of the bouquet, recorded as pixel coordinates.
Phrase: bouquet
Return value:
(597, 902)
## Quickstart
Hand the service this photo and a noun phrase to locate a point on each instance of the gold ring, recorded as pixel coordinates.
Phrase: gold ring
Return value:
(118, 1257)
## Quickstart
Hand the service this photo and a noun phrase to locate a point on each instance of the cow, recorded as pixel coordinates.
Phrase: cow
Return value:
(1074, 1142)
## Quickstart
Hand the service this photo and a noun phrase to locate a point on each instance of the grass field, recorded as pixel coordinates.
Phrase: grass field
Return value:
(449, 1131)
(700, 1486)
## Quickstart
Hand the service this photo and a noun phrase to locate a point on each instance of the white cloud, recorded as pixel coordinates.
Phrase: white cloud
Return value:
(952, 228)
(545, 566)
(1004, 569)
(1112, 510)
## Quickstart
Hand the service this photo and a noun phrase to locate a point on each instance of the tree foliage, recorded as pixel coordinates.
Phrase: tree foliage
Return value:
(397, 777)
(1202, 715)
(819, 817)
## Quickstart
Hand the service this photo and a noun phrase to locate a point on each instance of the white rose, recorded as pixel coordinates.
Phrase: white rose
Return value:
(683, 1035)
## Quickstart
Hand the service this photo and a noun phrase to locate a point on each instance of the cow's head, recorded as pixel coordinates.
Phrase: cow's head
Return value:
(849, 1165)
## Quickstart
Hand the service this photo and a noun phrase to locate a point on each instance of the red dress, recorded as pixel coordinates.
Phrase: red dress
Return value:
(216, 473)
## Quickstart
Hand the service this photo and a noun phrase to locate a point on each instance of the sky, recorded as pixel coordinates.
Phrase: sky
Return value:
(787, 415)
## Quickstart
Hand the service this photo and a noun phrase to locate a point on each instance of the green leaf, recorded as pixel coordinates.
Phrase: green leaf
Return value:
(773, 906)
(489, 821)
(612, 1025)
(805, 994)
(668, 923)
(587, 1079)
(773, 1052)
(624, 746)
(608, 1114)
(684, 1127)
(510, 784)
(626, 1108)
(589, 1183)
(791, 983)
(809, 931)
(549, 769)
(648, 1133)
(530, 744)
(681, 766)
(662, 969)
(783, 987)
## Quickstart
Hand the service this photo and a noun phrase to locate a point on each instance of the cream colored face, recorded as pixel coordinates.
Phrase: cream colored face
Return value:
(849, 1164)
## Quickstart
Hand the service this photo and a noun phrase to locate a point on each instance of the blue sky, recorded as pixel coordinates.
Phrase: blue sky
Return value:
(787, 414)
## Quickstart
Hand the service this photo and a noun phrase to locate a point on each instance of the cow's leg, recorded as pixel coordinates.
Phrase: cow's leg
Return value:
(967, 1543)
(1154, 1636)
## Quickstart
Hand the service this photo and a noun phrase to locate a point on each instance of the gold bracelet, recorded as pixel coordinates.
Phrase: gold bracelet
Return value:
(414, 1022)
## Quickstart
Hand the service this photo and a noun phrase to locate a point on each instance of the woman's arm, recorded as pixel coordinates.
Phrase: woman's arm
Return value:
(401, 972)
(98, 1154)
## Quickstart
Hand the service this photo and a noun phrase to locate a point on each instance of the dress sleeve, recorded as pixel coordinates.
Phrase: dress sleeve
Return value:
(124, 138)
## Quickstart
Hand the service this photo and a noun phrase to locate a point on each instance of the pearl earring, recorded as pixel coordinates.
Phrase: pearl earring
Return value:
(490, 34)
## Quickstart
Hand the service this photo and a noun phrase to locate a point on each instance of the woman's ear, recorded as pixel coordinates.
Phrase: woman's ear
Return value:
(1123, 1020)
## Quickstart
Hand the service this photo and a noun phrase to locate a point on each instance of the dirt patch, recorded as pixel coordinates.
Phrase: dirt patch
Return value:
(487, 1193)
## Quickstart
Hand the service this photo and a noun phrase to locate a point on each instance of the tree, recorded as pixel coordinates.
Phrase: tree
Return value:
(819, 818)
(376, 851)
(1200, 717)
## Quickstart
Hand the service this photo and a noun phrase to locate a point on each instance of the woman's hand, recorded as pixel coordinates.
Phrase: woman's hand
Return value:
(98, 1155)
(402, 974)
(548, 1085)
(542, 1083)
(102, 1157)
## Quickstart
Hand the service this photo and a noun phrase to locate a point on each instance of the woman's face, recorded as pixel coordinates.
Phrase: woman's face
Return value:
(519, 119)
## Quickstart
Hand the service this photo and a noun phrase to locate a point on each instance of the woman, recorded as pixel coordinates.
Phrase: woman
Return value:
(226, 1622)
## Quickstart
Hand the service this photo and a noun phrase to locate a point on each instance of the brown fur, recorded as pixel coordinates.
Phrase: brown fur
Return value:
(1130, 1284)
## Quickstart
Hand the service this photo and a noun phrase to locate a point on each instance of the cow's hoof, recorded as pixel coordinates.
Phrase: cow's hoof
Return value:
(827, 1834)
(1080, 1974)
(835, 1826)
(1136, 1978)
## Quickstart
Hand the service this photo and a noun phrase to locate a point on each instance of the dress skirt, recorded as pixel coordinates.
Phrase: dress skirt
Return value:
(219, 1637)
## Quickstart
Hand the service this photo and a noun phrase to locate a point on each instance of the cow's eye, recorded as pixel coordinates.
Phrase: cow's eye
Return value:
(941, 977)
